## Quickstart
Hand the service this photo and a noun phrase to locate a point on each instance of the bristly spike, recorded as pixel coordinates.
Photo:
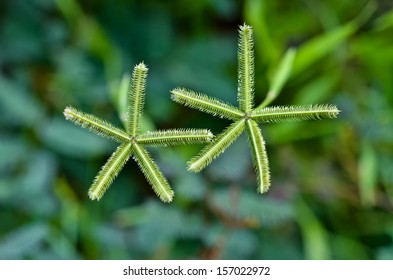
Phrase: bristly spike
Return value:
(95, 125)
(136, 98)
(295, 113)
(110, 170)
(259, 156)
(245, 69)
(153, 174)
(175, 137)
(216, 147)
(205, 104)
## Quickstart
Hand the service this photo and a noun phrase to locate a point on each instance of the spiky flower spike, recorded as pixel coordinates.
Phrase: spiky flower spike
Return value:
(246, 117)
(132, 141)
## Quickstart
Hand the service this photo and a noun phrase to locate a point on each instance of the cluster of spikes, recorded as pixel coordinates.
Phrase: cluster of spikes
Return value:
(132, 141)
(244, 118)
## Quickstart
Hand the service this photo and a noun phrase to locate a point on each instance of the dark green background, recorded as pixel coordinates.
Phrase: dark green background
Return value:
(332, 180)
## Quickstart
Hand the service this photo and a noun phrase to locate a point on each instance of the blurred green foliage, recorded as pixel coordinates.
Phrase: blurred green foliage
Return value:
(332, 181)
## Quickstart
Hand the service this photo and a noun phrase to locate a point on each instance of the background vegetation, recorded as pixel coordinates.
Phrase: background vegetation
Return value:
(332, 180)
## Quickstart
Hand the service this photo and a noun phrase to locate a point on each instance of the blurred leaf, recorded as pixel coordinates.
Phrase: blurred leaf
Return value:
(289, 132)
(385, 21)
(344, 248)
(317, 90)
(256, 13)
(367, 174)
(60, 136)
(20, 106)
(280, 77)
(318, 47)
(315, 237)
(315, 49)
(224, 167)
(386, 174)
(12, 150)
(23, 241)
(190, 186)
(254, 209)
(239, 244)
(120, 97)
(112, 241)
(164, 224)
(92, 37)
(385, 253)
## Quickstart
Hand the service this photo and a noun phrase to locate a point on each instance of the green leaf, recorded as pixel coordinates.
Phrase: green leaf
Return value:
(110, 171)
(205, 104)
(259, 156)
(239, 244)
(315, 237)
(175, 137)
(368, 174)
(320, 46)
(60, 136)
(120, 97)
(216, 147)
(245, 70)
(13, 151)
(153, 174)
(23, 241)
(20, 105)
(259, 211)
(136, 98)
(280, 78)
(225, 168)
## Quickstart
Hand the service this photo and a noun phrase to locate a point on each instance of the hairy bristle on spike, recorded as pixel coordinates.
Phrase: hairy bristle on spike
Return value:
(245, 71)
(259, 155)
(136, 98)
(153, 174)
(109, 171)
(295, 113)
(206, 104)
(96, 125)
(175, 137)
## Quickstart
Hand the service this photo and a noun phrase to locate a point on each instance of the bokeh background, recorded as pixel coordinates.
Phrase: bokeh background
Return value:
(332, 180)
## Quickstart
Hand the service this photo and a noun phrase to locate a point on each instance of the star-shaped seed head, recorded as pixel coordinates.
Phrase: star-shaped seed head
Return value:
(132, 141)
(246, 117)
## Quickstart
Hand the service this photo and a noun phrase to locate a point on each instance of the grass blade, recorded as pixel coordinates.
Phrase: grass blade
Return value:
(136, 98)
(216, 147)
(110, 170)
(280, 78)
(205, 104)
(96, 125)
(295, 113)
(259, 156)
(175, 137)
(245, 71)
(153, 174)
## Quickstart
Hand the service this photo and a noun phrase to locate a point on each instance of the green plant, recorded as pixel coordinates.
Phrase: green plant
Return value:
(246, 117)
(132, 141)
